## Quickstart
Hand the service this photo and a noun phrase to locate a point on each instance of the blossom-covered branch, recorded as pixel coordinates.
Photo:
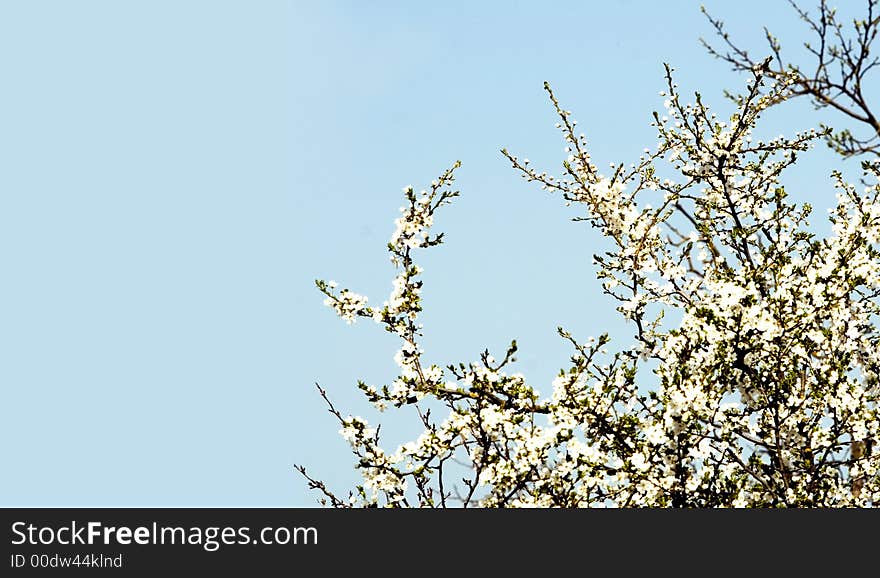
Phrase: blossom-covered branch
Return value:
(841, 60)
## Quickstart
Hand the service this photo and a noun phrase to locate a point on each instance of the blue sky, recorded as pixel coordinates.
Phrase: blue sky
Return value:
(176, 174)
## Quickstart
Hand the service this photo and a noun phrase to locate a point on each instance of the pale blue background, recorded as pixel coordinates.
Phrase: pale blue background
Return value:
(174, 175)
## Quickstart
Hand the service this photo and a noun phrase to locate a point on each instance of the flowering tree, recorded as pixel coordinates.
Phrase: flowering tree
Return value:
(763, 391)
